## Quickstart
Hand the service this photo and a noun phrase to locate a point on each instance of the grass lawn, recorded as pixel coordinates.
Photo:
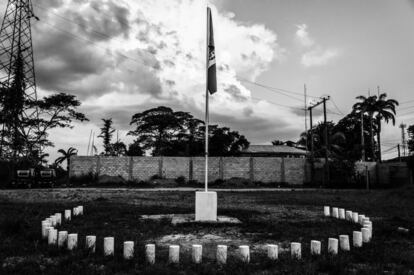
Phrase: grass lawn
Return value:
(267, 217)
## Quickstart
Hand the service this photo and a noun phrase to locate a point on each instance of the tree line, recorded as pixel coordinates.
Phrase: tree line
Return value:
(165, 132)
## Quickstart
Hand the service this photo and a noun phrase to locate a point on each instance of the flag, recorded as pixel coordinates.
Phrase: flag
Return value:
(211, 62)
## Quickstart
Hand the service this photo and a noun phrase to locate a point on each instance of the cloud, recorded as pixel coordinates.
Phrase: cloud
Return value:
(302, 35)
(123, 57)
(318, 57)
(314, 54)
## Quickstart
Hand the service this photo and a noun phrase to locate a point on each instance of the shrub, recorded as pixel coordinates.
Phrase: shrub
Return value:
(156, 177)
(218, 182)
(180, 180)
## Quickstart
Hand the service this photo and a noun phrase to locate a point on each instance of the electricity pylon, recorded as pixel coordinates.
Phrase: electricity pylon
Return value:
(17, 77)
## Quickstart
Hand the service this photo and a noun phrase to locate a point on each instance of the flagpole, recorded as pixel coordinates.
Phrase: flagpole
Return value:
(207, 116)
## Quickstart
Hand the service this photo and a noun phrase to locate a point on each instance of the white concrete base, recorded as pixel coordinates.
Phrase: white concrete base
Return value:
(244, 251)
(221, 254)
(315, 247)
(174, 254)
(357, 238)
(90, 243)
(197, 253)
(128, 250)
(206, 206)
(62, 238)
(272, 251)
(72, 241)
(333, 246)
(344, 242)
(150, 253)
(109, 246)
(296, 250)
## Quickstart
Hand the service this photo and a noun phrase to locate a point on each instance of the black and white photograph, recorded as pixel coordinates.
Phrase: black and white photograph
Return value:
(206, 137)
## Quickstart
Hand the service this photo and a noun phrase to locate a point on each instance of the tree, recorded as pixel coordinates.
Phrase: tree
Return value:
(350, 126)
(385, 111)
(410, 141)
(107, 132)
(66, 156)
(225, 142)
(118, 149)
(336, 140)
(170, 133)
(156, 128)
(30, 136)
(379, 108)
(134, 149)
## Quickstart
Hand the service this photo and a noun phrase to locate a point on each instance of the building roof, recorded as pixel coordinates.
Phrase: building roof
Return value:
(275, 149)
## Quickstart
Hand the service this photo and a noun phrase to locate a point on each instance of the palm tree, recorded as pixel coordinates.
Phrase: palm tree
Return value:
(381, 109)
(386, 111)
(66, 156)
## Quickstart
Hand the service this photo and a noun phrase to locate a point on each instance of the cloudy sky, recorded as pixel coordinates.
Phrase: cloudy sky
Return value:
(123, 57)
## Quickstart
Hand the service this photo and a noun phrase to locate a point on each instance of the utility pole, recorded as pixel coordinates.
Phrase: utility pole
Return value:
(322, 101)
(362, 137)
(399, 153)
(326, 140)
(402, 126)
(306, 115)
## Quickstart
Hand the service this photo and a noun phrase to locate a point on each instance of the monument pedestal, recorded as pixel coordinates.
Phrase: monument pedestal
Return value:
(206, 206)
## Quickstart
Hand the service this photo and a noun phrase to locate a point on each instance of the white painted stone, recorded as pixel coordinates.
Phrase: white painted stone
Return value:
(58, 218)
(150, 253)
(109, 243)
(80, 210)
(360, 218)
(128, 250)
(357, 239)
(48, 229)
(53, 220)
(272, 251)
(296, 250)
(335, 213)
(206, 206)
(315, 247)
(341, 213)
(52, 236)
(344, 242)
(49, 220)
(67, 215)
(244, 251)
(197, 253)
(221, 254)
(174, 254)
(326, 211)
(355, 217)
(75, 211)
(72, 241)
(348, 215)
(365, 234)
(45, 224)
(366, 219)
(333, 246)
(90, 243)
(62, 238)
(367, 224)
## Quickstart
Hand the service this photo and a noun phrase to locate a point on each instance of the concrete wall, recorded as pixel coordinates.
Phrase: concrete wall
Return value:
(264, 169)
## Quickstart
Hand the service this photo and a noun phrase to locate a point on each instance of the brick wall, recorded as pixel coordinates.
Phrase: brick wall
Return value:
(264, 169)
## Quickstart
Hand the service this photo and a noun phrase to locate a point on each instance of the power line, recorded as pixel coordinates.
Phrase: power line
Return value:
(336, 106)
